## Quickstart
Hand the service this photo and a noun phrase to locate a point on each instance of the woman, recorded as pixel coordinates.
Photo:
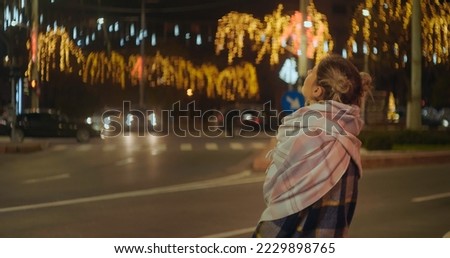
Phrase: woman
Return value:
(311, 184)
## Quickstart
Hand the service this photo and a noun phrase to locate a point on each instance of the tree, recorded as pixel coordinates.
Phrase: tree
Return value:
(380, 33)
(273, 36)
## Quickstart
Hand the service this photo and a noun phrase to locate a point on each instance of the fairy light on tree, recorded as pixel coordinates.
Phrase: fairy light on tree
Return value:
(319, 40)
(272, 37)
(100, 67)
(52, 43)
(376, 21)
(232, 30)
(58, 52)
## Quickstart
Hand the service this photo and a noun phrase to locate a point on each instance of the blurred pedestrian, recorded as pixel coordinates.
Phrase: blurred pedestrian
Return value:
(311, 183)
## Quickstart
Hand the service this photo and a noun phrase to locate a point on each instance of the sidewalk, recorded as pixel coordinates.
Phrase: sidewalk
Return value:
(373, 159)
(9, 147)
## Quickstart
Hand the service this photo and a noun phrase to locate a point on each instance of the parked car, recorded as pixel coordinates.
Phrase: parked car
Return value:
(445, 117)
(5, 126)
(431, 117)
(50, 123)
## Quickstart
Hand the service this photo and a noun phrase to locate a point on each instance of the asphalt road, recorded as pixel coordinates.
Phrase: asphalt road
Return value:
(189, 187)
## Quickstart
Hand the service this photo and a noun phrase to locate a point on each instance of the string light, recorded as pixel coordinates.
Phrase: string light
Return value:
(385, 18)
(270, 38)
(232, 30)
(232, 83)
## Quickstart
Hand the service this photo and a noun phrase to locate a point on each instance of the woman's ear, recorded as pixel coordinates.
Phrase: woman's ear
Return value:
(318, 92)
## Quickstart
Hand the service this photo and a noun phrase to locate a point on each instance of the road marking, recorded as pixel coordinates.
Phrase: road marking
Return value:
(60, 147)
(157, 149)
(84, 147)
(431, 197)
(259, 145)
(125, 162)
(236, 146)
(447, 235)
(211, 146)
(185, 147)
(133, 148)
(109, 147)
(236, 179)
(46, 179)
(231, 233)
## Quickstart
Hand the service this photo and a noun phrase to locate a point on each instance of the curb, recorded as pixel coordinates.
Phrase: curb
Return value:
(377, 159)
(22, 147)
(373, 159)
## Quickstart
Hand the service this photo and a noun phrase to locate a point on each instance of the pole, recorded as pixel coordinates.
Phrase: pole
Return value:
(35, 53)
(413, 118)
(141, 82)
(13, 106)
(302, 59)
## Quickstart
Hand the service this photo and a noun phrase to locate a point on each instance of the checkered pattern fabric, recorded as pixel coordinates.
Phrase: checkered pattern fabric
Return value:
(330, 216)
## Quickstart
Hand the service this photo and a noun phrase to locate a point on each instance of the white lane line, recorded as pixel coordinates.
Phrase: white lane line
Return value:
(185, 147)
(236, 146)
(60, 147)
(84, 147)
(236, 179)
(431, 197)
(231, 233)
(447, 235)
(125, 162)
(46, 179)
(259, 145)
(109, 147)
(157, 149)
(212, 146)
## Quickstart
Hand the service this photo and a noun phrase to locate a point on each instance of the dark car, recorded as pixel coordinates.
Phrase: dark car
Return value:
(431, 117)
(50, 124)
(5, 126)
(110, 122)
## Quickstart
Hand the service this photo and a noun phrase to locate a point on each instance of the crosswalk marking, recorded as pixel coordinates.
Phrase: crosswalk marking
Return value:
(161, 147)
(60, 147)
(84, 147)
(109, 147)
(211, 146)
(158, 148)
(236, 146)
(185, 147)
(259, 145)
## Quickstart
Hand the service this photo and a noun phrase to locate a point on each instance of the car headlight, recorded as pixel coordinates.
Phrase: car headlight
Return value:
(89, 120)
(445, 123)
(247, 117)
(130, 119)
(106, 122)
(152, 119)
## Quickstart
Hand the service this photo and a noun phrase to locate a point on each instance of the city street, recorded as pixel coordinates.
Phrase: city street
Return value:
(188, 187)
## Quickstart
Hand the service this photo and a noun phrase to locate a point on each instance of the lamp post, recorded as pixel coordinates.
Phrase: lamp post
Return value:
(413, 118)
(302, 59)
(141, 35)
(34, 76)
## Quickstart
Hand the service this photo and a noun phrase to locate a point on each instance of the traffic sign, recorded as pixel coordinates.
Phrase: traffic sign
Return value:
(292, 100)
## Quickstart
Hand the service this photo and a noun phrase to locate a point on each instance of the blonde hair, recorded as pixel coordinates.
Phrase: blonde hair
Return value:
(340, 80)
(366, 80)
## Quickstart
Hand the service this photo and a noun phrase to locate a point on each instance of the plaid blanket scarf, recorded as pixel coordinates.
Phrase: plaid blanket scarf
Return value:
(316, 145)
